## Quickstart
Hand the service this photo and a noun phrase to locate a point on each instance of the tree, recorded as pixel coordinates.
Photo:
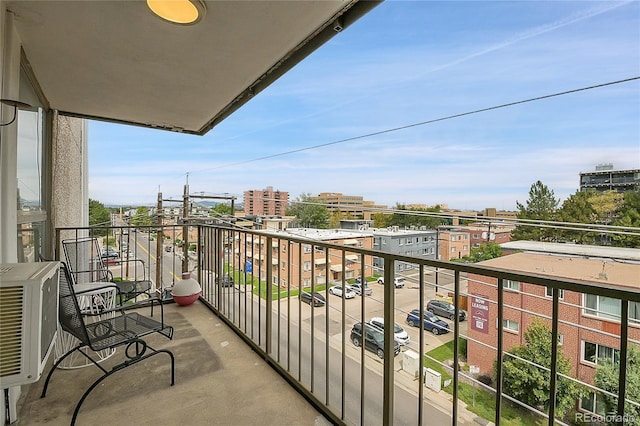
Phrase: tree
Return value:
(220, 209)
(309, 213)
(142, 217)
(577, 209)
(606, 205)
(629, 216)
(530, 383)
(335, 218)
(415, 217)
(541, 205)
(99, 215)
(485, 251)
(381, 220)
(607, 373)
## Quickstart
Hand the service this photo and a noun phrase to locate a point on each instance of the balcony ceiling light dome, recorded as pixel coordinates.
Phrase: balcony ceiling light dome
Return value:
(183, 12)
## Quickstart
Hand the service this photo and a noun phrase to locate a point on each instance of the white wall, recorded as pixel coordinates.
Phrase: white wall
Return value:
(10, 78)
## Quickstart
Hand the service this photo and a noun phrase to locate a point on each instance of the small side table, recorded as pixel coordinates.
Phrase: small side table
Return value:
(91, 302)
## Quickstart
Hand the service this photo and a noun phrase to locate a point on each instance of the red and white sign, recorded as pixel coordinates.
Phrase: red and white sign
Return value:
(479, 314)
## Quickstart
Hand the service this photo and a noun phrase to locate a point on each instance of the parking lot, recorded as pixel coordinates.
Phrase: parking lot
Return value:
(406, 299)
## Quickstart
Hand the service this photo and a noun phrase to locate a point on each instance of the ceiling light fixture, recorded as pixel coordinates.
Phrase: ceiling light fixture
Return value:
(15, 105)
(183, 12)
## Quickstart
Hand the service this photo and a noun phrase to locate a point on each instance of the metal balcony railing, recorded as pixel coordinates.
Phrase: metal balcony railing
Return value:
(253, 281)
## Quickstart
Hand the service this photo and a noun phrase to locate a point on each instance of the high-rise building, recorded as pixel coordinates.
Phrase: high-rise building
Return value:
(351, 205)
(604, 178)
(265, 202)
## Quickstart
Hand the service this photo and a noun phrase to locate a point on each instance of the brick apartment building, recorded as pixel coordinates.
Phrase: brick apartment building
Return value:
(453, 243)
(488, 233)
(589, 325)
(302, 262)
(265, 202)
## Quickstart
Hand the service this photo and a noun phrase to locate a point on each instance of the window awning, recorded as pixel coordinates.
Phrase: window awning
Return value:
(336, 268)
(320, 261)
(352, 257)
(350, 242)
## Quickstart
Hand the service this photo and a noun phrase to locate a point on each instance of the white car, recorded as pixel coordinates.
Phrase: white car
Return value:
(400, 335)
(337, 290)
(397, 282)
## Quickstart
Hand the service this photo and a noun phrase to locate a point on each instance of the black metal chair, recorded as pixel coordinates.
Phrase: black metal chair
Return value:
(123, 329)
(87, 264)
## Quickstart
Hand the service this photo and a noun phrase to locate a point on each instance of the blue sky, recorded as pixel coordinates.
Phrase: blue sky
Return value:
(409, 62)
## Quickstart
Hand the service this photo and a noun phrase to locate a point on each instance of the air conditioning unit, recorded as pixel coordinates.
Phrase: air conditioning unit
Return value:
(28, 320)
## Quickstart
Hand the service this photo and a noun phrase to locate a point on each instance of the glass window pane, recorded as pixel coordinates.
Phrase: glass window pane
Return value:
(29, 167)
(589, 352)
(591, 303)
(610, 308)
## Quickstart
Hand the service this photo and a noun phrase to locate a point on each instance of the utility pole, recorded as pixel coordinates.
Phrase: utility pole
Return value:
(185, 228)
(159, 241)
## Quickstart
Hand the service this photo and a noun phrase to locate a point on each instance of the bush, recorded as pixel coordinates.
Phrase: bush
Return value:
(486, 379)
(462, 347)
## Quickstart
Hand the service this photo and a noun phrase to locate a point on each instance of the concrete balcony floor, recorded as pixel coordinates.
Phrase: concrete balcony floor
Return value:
(219, 380)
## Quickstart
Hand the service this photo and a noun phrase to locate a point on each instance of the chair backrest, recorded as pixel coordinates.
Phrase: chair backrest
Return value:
(69, 313)
(84, 260)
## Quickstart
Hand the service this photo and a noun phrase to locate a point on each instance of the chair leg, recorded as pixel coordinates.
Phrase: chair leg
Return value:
(118, 368)
(59, 361)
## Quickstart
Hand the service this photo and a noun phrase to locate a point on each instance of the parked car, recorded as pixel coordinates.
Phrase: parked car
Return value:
(109, 253)
(357, 288)
(337, 290)
(397, 282)
(445, 309)
(399, 333)
(316, 300)
(373, 339)
(227, 281)
(431, 322)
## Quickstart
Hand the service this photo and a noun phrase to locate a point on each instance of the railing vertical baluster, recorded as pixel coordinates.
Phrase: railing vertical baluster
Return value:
(288, 246)
(553, 385)
(456, 336)
(421, 351)
(622, 370)
(389, 307)
(343, 347)
(313, 327)
(278, 286)
(327, 368)
(499, 355)
(218, 268)
(245, 310)
(269, 295)
(300, 248)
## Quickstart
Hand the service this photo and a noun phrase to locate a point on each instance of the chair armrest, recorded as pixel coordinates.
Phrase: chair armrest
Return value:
(123, 261)
(101, 287)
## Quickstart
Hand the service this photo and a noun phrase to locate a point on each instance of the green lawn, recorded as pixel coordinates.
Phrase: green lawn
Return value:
(478, 400)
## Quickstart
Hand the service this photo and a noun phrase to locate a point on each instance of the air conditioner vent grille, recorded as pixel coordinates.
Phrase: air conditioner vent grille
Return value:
(11, 330)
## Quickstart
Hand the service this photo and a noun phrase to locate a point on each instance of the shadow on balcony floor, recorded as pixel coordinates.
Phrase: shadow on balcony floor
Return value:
(219, 380)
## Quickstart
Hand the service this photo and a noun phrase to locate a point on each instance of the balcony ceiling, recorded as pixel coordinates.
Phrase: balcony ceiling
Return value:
(116, 61)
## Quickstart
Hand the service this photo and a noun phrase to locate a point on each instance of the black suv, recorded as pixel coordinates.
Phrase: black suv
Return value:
(317, 299)
(445, 309)
(373, 341)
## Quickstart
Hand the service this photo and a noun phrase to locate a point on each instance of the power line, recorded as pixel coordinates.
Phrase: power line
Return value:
(423, 123)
